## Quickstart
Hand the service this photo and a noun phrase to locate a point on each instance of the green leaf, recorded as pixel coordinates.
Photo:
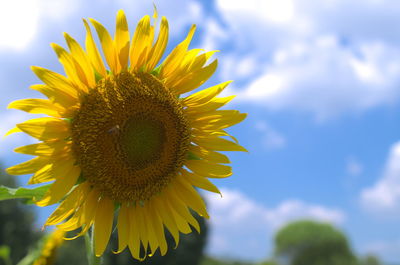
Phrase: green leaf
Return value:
(156, 71)
(97, 76)
(191, 156)
(7, 193)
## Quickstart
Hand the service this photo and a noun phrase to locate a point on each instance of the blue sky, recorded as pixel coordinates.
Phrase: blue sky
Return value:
(320, 81)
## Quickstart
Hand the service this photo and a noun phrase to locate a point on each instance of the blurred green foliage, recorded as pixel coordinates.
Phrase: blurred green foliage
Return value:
(214, 261)
(16, 224)
(313, 243)
(370, 260)
(5, 254)
(269, 262)
(72, 252)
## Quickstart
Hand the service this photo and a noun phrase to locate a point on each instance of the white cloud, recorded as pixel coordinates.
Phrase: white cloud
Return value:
(312, 58)
(243, 228)
(19, 19)
(384, 195)
(270, 138)
(268, 10)
(58, 10)
(326, 79)
(18, 23)
(215, 34)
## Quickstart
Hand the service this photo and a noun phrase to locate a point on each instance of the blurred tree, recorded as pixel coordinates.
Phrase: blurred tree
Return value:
(269, 262)
(72, 252)
(313, 243)
(189, 251)
(213, 261)
(16, 224)
(370, 260)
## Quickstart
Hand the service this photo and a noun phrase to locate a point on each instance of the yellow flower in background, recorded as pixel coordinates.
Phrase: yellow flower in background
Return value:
(127, 140)
(49, 251)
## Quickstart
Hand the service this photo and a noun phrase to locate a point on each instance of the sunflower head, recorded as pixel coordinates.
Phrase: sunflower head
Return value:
(124, 138)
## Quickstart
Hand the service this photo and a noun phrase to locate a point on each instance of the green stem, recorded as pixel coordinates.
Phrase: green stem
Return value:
(91, 257)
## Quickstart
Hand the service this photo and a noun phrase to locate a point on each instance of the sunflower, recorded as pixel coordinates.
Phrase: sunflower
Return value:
(127, 140)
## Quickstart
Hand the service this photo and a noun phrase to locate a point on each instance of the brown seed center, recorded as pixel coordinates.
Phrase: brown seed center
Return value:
(130, 136)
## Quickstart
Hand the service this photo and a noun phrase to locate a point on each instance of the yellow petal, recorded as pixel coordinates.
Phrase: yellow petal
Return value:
(167, 218)
(58, 97)
(81, 58)
(108, 47)
(151, 229)
(182, 69)
(158, 227)
(174, 59)
(201, 132)
(209, 155)
(159, 47)
(123, 228)
(190, 196)
(42, 149)
(134, 236)
(218, 144)
(46, 128)
(103, 225)
(216, 115)
(84, 217)
(196, 78)
(45, 174)
(200, 60)
(53, 79)
(29, 166)
(181, 208)
(93, 52)
(215, 123)
(205, 95)
(13, 130)
(143, 57)
(72, 223)
(212, 105)
(155, 13)
(72, 68)
(37, 106)
(180, 221)
(141, 222)
(69, 205)
(89, 208)
(218, 122)
(66, 175)
(208, 169)
(141, 43)
(199, 182)
(122, 39)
